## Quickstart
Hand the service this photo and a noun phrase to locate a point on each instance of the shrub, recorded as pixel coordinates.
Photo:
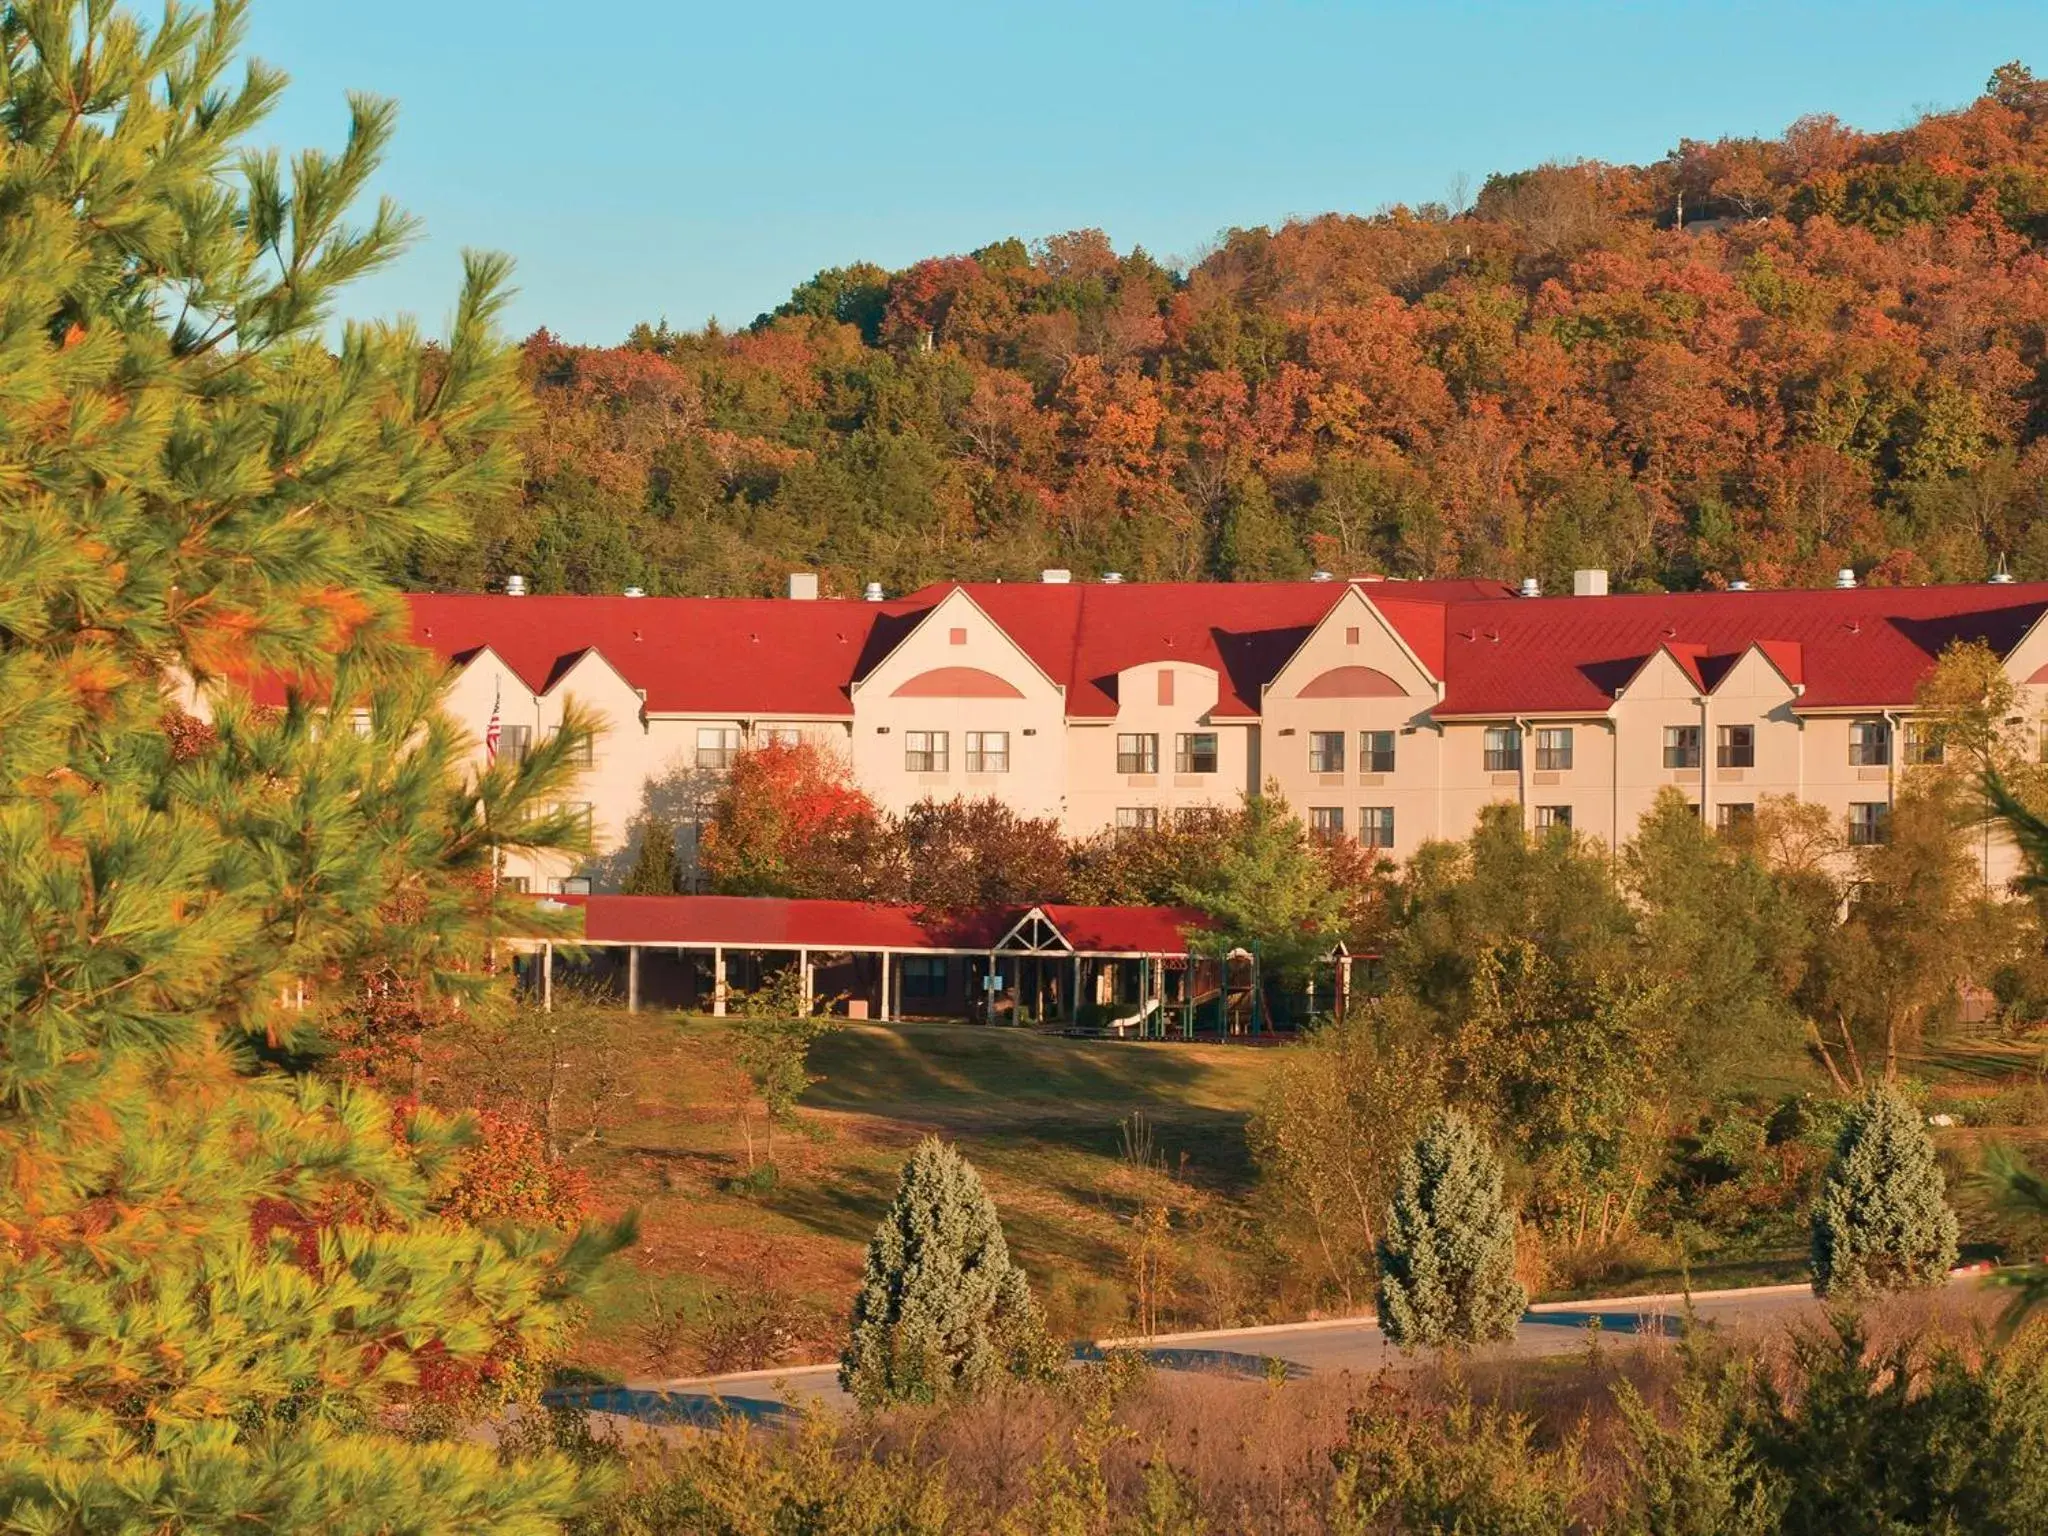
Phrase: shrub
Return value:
(1447, 1262)
(941, 1308)
(1883, 1221)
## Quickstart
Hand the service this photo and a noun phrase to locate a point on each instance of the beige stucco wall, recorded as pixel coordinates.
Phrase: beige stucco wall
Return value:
(1096, 790)
(957, 634)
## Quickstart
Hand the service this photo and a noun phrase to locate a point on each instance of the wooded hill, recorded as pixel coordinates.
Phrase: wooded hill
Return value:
(1755, 358)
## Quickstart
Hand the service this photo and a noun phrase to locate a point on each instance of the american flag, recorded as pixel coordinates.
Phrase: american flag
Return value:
(492, 732)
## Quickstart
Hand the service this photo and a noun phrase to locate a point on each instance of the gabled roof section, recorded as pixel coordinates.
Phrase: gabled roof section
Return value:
(958, 593)
(1864, 647)
(691, 655)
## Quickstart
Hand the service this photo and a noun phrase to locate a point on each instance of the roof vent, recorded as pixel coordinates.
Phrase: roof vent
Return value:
(872, 592)
(2001, 577)
(515, 586)
(1320, 576)
(1055, 577)
(803, 586)
(1738, 585)
(636, 591)
(1531, 587)
(1845, 578)
(1589, 583)
(1112, 578)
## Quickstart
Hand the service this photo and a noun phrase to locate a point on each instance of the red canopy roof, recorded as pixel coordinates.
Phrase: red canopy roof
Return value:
(774, 922)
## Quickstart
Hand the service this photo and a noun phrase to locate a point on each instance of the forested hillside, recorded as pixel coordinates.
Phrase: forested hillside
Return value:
(1760, 358)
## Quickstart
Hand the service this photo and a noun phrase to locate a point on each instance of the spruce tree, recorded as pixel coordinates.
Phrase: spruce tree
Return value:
(226, 1287)
(654, 871)
(1882, 1222)
(1447, 1261)
(941, 1308)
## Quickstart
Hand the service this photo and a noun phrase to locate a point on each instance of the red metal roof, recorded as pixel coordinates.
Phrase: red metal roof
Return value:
(774, 922)
(1496, 653)
(1861, 647)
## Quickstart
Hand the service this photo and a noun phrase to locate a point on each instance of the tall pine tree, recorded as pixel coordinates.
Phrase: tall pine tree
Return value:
(226, 1284)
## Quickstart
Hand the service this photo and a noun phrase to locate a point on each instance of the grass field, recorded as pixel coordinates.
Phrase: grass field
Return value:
(1048, 1122)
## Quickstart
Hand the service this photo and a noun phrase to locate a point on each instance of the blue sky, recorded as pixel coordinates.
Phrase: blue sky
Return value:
(643, 160)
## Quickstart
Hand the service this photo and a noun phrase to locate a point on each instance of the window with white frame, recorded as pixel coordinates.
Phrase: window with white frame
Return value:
(1554, 749)
(1550, 816)
(1735, 746)
(717, 746)
(1926, 743)
(782, 735)
(1195, 752)
(1137, 753)
(1681, 746)
(925, 751)
(988, 751)
(579, 814)
(1870, 744)
(583, 753)
(1325, 751)
(1503, 748)
(1869, 822)
(1375, 751)
(1376, 826)
(1326, 820)
(569, 885)
(1137, 818)
(1735, 815)
(515, 742)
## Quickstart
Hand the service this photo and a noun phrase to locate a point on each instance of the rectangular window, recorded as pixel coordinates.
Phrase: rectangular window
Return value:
(1503, 749)
(1736, 815)
(988, 751)
(359, 722)
(584, 753)
(1735, 746)
(1376, 751)
(1925, 743)
(924, 976)
(1548, 816)
(924, 751)
(717, 746)
(1195, 752)
(1326, 820)
(569, 885)
(515, 742)
(1325, 751)
(782, 736)
(1870, 744)
(1681, 746)
(1376, 826)
(1554, 749)
(578, 812)
(516, 884)
(1867, 823)
(1137, 818)
(1137, 754)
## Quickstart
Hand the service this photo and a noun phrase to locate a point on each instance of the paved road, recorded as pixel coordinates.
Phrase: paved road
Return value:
(1353, 1344)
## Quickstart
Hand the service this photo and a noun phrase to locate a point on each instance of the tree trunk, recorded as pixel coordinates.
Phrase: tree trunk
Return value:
(1827, 1059)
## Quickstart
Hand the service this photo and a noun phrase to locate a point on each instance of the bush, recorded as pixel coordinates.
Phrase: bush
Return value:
(1883, 1221)
(1447, 1262)
(941, 1309)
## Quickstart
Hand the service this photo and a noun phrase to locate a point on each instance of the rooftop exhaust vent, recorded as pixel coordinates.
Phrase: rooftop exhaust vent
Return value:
(1320, 576)
(1531, 587)
(1589, 583)
(636, 591)
(1055, 577)
(515, 586)
(1845, 578)
(1112, 578)
(872, 592)
(2001, 577)
(1738, 585)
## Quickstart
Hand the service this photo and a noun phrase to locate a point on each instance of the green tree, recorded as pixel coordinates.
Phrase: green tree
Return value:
(1267, 891)
(941, 1309)
(655, 871)
(1882, 1221)
(227, 1286)
(1447, 1259)
(772, 1031)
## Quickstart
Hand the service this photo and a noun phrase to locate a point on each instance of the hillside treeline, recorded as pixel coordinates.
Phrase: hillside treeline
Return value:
(1759, 358)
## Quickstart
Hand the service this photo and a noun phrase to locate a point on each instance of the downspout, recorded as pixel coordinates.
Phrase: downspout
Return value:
(1613, 787)
(1894, 744)
(1522, 750)
(1706, 771)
